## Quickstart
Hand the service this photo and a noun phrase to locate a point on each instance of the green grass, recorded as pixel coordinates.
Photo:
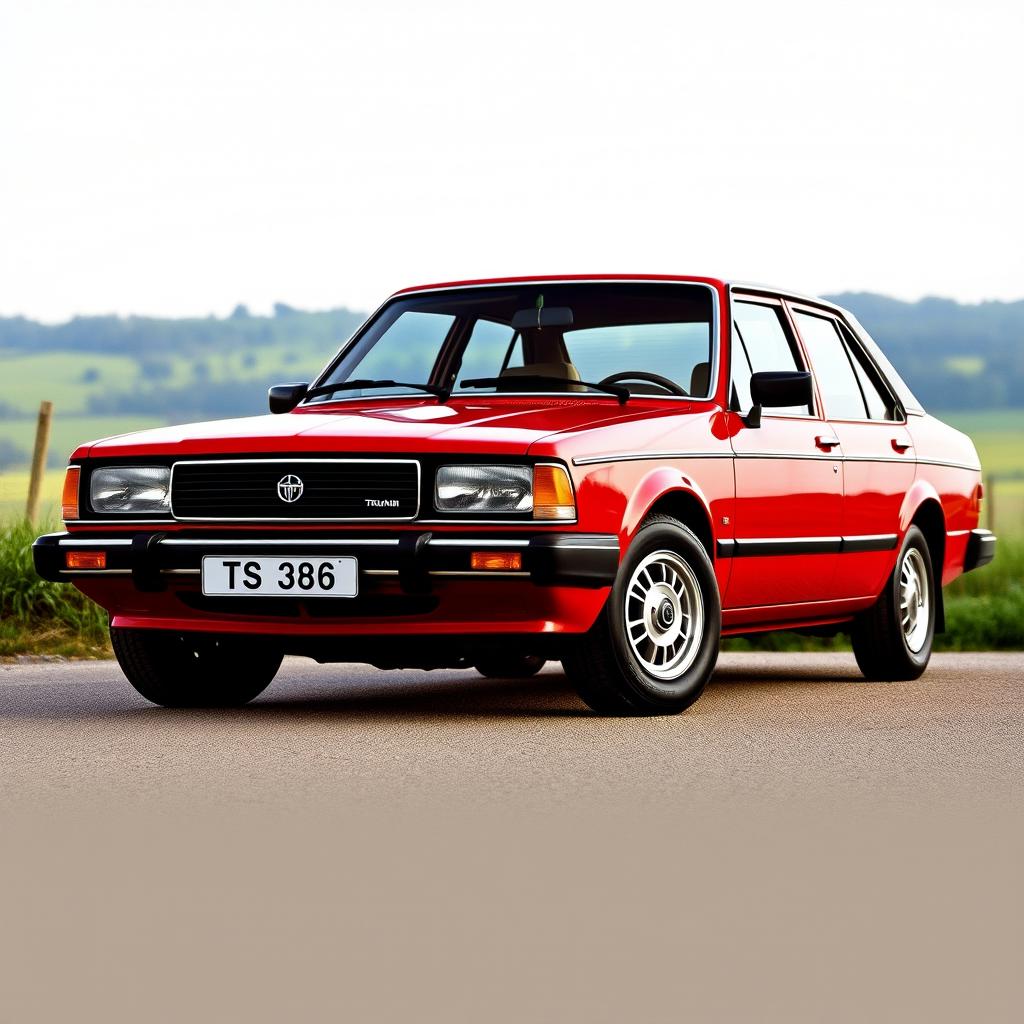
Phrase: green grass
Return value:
(38, 617)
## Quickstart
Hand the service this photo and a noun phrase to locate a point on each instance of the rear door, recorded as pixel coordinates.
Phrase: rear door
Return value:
(878, 457)
(787, 523)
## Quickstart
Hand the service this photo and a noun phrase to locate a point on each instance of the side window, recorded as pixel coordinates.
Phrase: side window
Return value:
(879, 404)
(831, 365)
(486, 350)
(760, 343)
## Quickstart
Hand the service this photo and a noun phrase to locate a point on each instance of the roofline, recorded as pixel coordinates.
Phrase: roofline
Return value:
(715, 282)
(785, 293)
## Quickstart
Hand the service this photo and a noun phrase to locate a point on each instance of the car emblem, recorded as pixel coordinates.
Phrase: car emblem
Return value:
(289, 488)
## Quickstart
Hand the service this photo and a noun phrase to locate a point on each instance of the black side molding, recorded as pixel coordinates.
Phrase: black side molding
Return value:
(757, 547)
(981, 549)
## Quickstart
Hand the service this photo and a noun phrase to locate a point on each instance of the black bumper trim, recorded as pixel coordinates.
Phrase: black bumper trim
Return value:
(562, 559)
(981, 549)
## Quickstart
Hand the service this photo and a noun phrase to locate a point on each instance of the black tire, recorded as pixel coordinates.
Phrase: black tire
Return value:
(884, 647)
(194, 670)
(510, 666)
(606, 668)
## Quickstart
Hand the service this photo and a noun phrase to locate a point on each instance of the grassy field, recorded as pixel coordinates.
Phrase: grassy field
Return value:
(70, 379)
(999, 438)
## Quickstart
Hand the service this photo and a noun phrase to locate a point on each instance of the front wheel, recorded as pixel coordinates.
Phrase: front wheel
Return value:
(655, 645)
(892, 640)
(194, 670)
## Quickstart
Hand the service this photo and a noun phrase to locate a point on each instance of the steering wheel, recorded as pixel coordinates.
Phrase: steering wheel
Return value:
(651, 378)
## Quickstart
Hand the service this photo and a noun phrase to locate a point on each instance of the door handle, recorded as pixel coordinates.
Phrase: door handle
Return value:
(901, 446)
(827, 442)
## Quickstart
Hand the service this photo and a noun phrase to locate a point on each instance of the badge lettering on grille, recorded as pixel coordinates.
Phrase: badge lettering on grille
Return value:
(289, 488)
(382, 502)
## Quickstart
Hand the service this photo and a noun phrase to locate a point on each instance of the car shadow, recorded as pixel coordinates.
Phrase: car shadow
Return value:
(412, 695)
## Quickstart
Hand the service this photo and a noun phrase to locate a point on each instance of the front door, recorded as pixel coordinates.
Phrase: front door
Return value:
(787, 525)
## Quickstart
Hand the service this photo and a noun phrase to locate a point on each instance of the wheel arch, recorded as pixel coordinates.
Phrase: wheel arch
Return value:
(928, 517)
(669, 492)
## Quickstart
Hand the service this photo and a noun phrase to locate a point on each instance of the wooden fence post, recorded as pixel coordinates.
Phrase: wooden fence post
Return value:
(35, 482)
(990, 500)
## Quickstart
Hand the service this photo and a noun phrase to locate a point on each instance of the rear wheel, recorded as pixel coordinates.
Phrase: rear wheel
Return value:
(181, 670)
(655, 645)
(893, 639)
(510, 666)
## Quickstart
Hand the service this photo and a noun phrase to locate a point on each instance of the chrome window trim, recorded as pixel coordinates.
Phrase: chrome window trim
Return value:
(715, 340)
(777, 300)
(285, 461)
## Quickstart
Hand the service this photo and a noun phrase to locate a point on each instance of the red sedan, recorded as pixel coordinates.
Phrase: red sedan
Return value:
(610, 471)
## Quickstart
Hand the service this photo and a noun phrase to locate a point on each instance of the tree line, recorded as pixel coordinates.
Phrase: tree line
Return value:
(953, 356)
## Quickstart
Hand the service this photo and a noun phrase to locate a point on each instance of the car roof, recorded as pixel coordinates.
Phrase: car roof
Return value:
(717, 282)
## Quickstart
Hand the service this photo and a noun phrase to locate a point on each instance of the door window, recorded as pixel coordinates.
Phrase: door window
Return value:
(831, 364)
(760, 343)
(880, 405)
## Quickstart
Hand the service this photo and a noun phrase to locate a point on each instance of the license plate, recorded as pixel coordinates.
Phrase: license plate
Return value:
(280, 577)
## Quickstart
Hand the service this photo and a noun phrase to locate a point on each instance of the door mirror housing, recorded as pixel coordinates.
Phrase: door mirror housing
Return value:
(284, 397)
(777, 389)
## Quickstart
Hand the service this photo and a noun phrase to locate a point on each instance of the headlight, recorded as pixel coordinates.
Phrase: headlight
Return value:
(544, 490)
(130, 489)
(484, 489)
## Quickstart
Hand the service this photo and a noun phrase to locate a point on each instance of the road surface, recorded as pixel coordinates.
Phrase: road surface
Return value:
(799, 845)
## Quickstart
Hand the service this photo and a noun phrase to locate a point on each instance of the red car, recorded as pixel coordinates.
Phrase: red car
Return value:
(610, 471)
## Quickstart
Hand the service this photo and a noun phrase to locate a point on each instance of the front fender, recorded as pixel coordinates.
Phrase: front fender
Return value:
(658, 483)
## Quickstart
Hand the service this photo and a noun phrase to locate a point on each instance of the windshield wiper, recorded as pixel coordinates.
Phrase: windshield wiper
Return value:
(518, 383)
(442, 394)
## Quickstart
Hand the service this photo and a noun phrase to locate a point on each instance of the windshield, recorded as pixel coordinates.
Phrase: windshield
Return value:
(561, 333)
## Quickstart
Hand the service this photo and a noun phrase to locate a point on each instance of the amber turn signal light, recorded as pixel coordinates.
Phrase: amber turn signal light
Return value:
(507, 560)
(86, 559)
(552, 494)
(69, 497)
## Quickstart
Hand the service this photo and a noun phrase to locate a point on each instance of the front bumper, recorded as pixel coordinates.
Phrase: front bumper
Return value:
(981, 549)
(416, 560)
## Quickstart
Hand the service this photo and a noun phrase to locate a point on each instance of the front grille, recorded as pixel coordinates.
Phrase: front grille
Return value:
(321, 489)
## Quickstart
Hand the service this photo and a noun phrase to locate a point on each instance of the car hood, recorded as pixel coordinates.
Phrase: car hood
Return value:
(500, 425)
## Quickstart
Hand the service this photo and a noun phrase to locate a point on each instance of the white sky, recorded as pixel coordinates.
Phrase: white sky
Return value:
(177, 157)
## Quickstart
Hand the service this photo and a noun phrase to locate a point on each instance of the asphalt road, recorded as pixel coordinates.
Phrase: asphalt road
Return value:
(406, 845)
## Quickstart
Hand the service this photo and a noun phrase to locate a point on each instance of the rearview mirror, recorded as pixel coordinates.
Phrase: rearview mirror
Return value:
(284, 397)
(776, 389)
(547, 316)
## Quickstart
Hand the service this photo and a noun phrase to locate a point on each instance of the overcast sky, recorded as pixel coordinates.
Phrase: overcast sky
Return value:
(181, 157)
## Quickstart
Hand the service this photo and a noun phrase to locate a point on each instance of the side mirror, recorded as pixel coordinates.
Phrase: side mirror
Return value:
(776, 389)
(284, 397)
